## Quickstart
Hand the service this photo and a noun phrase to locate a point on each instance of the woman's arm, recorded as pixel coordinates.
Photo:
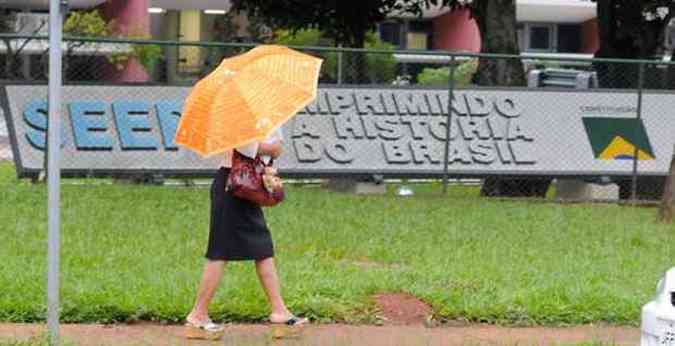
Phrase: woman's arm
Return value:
(273, 149)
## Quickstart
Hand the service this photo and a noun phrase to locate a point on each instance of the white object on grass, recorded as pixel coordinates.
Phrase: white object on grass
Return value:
(404, 191)
(658, 316)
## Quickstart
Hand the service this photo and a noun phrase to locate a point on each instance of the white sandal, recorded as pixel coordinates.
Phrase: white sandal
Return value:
(289, 328)
(292, 321)
(206, 330)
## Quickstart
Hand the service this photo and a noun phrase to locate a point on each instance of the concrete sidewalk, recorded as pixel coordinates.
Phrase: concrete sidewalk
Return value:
(333, 335)
(5, 148)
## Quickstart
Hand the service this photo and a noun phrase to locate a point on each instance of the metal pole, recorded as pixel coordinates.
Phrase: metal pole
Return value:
(53, 169)
(634, 182)
(339, 65)
(448, 117)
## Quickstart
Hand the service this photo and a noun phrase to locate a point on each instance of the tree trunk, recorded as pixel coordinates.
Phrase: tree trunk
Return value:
(666, 208)
(625, 34)
(8, 74)
(615, 43)
(9, 61)
(355, 69)
(497, 25)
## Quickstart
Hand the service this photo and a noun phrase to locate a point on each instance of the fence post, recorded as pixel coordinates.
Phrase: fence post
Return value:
(56, 15)
(448, 117)
(665, 214)
(634, 182)
(339, 65)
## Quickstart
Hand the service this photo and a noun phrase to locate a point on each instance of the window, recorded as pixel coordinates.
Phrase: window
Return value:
(414, 34)
(420, 26)
(391, 33)
(417, 40)
(546, 37)
(569, 38)
(540, 37)
(418, 34)
(549, 37)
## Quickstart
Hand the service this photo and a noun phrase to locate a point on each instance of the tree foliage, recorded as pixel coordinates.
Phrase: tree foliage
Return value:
(346, 22)
(630, 29)
(380, 67)
(440, 77)
(633, 29)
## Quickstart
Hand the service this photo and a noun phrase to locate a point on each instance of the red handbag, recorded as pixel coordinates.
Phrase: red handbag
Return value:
(246, 181)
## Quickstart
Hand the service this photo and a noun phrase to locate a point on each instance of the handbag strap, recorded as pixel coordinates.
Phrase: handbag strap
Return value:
(256, 159)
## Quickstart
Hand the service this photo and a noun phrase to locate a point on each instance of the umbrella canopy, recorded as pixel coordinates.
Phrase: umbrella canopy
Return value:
(246, 98)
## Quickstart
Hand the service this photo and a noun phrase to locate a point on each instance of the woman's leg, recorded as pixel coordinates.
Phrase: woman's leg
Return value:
(213, 272)
(267, 273)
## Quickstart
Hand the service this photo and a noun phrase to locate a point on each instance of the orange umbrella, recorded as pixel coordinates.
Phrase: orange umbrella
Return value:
(246, 98)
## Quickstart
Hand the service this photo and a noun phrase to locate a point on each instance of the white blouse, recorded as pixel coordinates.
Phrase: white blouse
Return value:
(251, 150)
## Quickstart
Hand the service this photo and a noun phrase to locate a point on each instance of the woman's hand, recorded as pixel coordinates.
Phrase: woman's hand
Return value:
(270, 171)
(273, 149)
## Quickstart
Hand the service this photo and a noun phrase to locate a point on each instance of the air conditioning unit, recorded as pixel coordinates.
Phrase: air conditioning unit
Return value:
(31, 23)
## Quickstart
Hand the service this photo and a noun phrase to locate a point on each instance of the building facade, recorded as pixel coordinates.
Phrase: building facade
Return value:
(544, 26)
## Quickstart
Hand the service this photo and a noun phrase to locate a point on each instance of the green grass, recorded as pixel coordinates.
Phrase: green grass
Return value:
(135, 252)
(34, 341)
(31, 342)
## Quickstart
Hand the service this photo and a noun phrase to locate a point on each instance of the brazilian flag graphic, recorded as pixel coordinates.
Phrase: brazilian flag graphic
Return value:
(617, 138)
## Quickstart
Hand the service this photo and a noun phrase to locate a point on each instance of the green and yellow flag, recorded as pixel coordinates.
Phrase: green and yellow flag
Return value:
(618, 138)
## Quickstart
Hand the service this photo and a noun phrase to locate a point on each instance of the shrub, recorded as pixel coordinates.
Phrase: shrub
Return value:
(440, 76)
(380, 67)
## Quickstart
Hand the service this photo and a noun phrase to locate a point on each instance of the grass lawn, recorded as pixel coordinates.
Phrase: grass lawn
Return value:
(135, 252)
(39, 341)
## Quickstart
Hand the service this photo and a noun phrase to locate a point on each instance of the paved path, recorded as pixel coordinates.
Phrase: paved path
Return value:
(5, 149)
(334, 335)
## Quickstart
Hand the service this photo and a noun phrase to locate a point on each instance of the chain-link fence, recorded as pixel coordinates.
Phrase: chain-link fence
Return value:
(518, 126)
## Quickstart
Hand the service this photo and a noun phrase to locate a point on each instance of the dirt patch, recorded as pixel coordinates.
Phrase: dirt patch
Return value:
(402, 309)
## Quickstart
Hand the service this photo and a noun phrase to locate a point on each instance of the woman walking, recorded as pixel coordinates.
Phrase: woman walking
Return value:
(238, 232)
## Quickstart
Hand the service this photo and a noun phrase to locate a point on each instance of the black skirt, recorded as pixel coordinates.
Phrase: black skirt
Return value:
(238, 229)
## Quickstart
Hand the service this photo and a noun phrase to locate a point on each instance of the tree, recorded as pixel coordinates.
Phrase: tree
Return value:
(381, 67)
(633, 29)
(81, 24)
(630, 29)
(10, 24)
(78, 23)
(348, 22)
(496, 21)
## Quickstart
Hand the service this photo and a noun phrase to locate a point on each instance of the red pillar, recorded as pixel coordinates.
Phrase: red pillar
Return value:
(456, 31)
(590, 42)
(131, 19)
